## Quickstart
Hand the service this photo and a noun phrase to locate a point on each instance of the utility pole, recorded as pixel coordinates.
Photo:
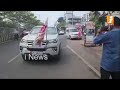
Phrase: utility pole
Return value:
(72, 18)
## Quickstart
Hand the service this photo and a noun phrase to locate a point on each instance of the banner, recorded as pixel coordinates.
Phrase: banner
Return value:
(90, 25)
(79, 28)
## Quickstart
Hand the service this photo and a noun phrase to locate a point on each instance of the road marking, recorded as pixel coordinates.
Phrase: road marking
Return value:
(13, 58)
(90, 66)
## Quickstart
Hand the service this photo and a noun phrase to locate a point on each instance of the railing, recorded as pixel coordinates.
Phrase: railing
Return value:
(6, 34)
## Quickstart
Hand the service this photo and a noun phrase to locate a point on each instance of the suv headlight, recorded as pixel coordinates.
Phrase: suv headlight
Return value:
(23, 41)
(53, 41)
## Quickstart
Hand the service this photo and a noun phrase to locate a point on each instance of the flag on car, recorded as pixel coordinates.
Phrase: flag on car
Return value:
(41, 34)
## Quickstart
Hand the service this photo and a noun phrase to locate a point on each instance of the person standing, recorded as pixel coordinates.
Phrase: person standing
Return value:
(110, 62)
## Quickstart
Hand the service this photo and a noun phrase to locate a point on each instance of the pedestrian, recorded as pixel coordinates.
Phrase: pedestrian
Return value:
(110, 63)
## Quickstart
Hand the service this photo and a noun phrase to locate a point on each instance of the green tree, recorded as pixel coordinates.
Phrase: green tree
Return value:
(94, 16)
(61, 22)
(18, 18)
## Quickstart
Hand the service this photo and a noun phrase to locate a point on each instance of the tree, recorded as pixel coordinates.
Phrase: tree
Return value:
(94, 16)
(60, 19)
(61, 22)
(17, 18)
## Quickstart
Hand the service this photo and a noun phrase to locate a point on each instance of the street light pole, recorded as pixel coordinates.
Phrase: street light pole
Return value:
(72, 18)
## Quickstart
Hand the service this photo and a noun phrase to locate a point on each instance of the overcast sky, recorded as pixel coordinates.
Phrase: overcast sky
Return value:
(54, 15)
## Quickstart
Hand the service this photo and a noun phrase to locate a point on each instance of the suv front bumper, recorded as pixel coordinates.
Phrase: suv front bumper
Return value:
(50, 49)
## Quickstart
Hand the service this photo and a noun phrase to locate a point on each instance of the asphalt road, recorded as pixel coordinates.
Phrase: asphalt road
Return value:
(70, 66)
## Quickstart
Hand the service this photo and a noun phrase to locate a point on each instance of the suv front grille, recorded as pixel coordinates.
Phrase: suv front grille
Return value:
(29, 42)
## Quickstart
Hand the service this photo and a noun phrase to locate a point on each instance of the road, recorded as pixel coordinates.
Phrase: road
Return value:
(76, 62)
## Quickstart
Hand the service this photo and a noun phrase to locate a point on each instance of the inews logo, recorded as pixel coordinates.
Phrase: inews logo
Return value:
(110, 20)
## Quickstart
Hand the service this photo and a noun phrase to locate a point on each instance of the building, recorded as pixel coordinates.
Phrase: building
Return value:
(67, 15)
(75, 20)
(71, 18)
(85, 18)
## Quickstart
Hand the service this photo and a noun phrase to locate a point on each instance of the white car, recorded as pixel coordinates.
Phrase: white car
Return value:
(49, 47)
(61, 32)
(72, 33)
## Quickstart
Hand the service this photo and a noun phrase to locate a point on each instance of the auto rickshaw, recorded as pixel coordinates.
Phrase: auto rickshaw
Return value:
(89, 37)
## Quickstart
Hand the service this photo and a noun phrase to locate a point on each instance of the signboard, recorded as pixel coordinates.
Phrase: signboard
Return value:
(90, 25)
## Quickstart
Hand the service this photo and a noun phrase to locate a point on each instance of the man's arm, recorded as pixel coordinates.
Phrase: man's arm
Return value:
(101, 38)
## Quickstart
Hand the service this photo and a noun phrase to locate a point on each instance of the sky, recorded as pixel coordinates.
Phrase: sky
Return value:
(54, 15)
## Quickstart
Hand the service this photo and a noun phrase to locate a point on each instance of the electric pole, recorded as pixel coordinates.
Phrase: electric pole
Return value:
(72, 18)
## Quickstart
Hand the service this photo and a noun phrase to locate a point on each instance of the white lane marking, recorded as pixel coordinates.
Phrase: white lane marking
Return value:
(13, 58)
(90, 66)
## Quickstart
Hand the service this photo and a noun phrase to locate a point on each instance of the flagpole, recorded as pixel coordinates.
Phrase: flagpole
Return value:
(46, 33)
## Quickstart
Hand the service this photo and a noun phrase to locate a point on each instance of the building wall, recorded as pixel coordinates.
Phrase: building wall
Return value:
(68, 15)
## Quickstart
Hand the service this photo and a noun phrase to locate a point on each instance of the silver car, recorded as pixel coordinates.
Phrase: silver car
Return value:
(72, 33)
(49, 47)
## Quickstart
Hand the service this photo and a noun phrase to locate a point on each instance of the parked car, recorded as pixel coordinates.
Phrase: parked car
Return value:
(72, 33)
(50, 45)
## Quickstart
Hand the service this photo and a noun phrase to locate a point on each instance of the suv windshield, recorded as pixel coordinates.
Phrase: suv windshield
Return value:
(35, 30)
(73, 30)
(51, 30)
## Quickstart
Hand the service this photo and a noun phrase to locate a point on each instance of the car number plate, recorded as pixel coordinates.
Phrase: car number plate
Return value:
(37, 53)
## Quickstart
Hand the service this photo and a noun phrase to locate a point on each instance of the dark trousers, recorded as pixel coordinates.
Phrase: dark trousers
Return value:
(106, 74)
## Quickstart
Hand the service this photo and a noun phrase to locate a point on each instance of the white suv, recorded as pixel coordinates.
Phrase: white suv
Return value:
(73, 33)
(49, 47)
